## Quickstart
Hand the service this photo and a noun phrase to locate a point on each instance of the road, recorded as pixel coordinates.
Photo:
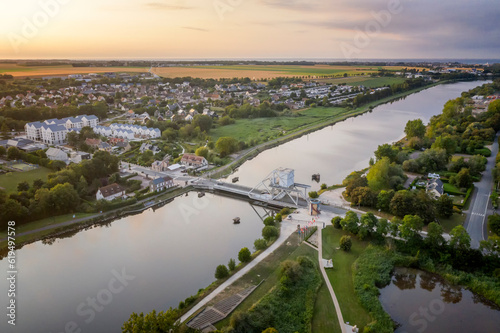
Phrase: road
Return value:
(480, 209)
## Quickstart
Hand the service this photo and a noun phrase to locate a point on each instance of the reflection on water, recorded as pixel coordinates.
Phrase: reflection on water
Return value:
(424, 302)
(337, 150)
(171, 253)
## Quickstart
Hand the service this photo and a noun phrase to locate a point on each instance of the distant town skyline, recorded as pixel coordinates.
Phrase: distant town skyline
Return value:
(243, 29)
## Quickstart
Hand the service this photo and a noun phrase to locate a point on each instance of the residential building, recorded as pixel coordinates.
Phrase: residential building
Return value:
(160, 184)
(55, 154)
(435, 188)
(162, 165)
(54, 131)
(110, 192)
(192, 160)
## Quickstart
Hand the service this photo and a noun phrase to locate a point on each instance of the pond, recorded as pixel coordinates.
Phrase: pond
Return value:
(424, 302)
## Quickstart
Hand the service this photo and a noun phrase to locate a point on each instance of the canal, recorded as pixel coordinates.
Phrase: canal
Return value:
(97, 277)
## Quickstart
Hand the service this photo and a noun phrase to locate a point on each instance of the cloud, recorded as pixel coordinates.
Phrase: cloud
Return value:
(297, 5)
(196, 28)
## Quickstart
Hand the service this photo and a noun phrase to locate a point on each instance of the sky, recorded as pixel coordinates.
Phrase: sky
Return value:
(249, 29)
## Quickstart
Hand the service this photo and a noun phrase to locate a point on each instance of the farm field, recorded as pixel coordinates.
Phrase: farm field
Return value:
(257, 72)
(19, 71)
(10, 180)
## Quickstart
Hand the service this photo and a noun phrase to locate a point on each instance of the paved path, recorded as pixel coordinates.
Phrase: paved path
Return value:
(328, 284)
(286, 230)
(479, 209)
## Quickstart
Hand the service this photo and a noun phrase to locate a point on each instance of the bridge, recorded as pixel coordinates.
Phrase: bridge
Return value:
(277, 190)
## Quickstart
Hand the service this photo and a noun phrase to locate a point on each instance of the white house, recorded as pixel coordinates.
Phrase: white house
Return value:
(198, 162)
(160, 184)
(55, 154)
(110, 192)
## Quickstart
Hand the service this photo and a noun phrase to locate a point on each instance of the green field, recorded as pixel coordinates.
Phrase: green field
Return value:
(369, 82)
(10, 180)
(316, 70)
(341, 275)
(260, 128)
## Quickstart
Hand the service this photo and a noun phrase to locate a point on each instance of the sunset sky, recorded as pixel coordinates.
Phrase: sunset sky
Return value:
(203, 29)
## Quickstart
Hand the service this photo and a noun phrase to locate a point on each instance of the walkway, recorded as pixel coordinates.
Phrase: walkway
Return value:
(328, 284)
(286, 230)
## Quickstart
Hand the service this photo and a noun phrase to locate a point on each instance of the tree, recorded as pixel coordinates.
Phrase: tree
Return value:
(402, 203)
(378, 176)
(202, 121)
(411, 226)
(202, 151)
(270, 232)
(350, 222)
(169, 134)
(152, 322)
(460, 239)
(382, 228)
(23, 186)
(5, 131)
(345, 243)
(3, 151)
(444, 206)
(13, 153)
(462, 179)
(260, 244)
(244, 255)
(435, 235)
(363, 196)
(278, 218)
(336, 222)
(385, 150)
(494, 223)
(226, 145)
(447, 143)
(38, 183)
(415, 128)
(231, 264)
(270, 330)
(384, 199)
(221, 272)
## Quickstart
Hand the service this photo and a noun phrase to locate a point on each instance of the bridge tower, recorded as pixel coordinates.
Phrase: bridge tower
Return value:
(280, 186)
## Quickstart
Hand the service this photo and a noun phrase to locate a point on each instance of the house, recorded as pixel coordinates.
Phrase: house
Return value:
(198, 162)
(55, 154)
(435, 188)
(123, 145)
(78, 156)
(162, 165)
(160, 184)
(94, 143)
(104, 146)
(110, 192)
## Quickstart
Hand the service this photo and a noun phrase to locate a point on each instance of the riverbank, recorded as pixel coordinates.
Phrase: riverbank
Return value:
(250, 153)
(66, 224)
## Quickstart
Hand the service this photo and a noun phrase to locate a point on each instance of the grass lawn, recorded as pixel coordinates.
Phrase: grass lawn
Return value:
(452, 222)
(341, 275)
(267, 271)
(452, 189)
(369, 82)
(10, 180)
(39, 224)
(261, 128)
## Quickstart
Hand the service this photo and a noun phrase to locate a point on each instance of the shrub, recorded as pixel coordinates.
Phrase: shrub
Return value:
(324, 186)
(270, 232)
(231, 264)
(336, 222)
(260, 244)
(269, 221)
(285, 211)
(244, 255)
(345, 243)
(278, 218)
(313, 195)
(221, 272)
(494, 223)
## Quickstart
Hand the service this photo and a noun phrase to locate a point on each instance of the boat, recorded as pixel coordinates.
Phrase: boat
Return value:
(236, 220)
(235, 179)
(201, 194)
